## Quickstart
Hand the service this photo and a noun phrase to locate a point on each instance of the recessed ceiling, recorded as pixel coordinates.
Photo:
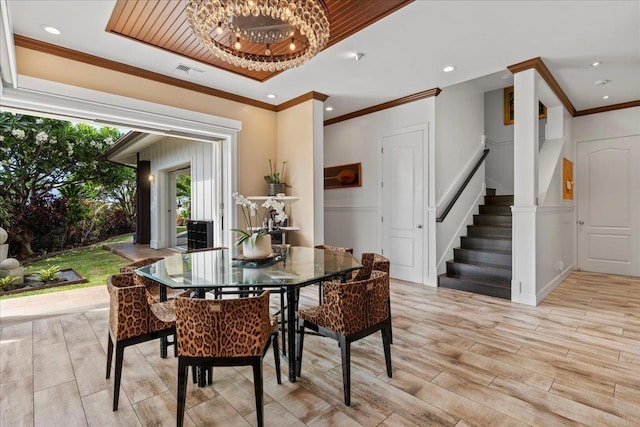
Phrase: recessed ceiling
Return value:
(164, 25)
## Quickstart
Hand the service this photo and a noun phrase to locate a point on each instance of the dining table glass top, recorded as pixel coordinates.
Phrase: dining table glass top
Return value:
(293, 266)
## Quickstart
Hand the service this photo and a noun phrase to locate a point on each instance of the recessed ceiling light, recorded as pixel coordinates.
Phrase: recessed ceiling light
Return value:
(602, 82)
(449, 68)
(52, 30)
(329, 108)
(605, 97)
(595, 64)
(271, 96)
(358, 56)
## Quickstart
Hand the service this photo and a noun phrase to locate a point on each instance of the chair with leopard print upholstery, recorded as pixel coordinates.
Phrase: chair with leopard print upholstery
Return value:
(225, 332)
(153, 288)
(334, 250)
(132, 320)
(376, 262)
(350, 311)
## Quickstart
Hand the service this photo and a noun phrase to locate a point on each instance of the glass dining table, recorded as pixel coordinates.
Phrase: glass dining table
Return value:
(225, 273)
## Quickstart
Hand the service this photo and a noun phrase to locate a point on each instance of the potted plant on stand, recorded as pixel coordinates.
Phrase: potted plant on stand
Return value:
(275, 179)
(255, 238)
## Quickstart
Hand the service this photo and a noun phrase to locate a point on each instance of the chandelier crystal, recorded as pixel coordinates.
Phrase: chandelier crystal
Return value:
(262, 35)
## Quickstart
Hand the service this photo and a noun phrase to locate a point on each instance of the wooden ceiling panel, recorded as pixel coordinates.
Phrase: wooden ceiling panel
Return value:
(163, 24)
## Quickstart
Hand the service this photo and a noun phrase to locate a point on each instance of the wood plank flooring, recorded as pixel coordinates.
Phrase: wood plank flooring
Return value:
(459, 359)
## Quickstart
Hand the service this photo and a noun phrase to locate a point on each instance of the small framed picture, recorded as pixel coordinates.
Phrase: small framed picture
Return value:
(509, 110)
(343, 176)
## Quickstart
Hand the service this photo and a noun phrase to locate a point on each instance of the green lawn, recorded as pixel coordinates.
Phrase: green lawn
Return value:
(93, 262)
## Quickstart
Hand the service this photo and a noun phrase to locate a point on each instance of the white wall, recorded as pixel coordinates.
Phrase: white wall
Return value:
(459, 128)
(458, 146)
(499, 164)
(352, 215)
(606, 125)
(555, 247)
(167, 155)
(296, 145)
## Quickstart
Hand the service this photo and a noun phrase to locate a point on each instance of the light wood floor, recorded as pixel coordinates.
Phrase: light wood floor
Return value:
(458, 360)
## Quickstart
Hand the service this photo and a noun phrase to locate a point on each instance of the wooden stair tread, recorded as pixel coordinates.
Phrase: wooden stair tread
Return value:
(483, 265)
(474, 281)
(493, 251)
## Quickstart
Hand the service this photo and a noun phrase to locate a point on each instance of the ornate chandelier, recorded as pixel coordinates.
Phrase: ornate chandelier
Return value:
(262, 35)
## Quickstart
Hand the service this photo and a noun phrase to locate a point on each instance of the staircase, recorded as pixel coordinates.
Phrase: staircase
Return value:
(483, 262)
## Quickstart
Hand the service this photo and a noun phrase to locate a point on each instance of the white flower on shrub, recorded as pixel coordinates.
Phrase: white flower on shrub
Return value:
(18, 133)
(42, 137)
(39, 121)
(1, 138)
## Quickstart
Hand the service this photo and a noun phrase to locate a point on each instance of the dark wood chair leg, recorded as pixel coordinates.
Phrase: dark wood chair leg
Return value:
(386, 343)
(183, 371)
(109, 354)
(300, 346)
(390, 329)
(345, 350)
(175, 345)
(283, 322)
(116, 382)
(276, 356)
(257, 386)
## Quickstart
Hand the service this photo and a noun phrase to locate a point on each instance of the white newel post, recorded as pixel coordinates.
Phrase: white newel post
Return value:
(525, 148)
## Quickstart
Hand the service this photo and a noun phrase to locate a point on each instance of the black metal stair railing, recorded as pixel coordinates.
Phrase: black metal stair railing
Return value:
(463, 186)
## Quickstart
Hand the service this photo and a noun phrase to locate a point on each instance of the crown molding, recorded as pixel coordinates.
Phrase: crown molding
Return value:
(539, 65)
(385, 105)
(75, 55)
(302, 98)
(541, 68)
(613, 107)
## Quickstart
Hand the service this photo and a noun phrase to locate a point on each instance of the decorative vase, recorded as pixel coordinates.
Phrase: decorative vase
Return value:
(261, 249)
(275, 189)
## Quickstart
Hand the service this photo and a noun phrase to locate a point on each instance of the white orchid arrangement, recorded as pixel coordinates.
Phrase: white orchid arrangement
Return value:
(254, 217)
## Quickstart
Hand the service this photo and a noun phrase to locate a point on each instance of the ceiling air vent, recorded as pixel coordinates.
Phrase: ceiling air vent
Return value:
(185, 69)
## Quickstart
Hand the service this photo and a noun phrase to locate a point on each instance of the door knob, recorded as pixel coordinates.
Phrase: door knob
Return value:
(419, 226)
(581, 222)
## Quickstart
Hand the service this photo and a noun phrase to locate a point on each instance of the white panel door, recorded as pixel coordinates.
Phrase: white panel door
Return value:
(402, 201)
(608, 190)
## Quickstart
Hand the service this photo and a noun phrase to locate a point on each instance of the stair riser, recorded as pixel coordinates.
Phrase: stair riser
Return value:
(490, 192)
(488, 231)
(498, 200)
(453, 283)
(495, 209)
(470, 272)
(482, 243)
(492, 220)
(461, 255)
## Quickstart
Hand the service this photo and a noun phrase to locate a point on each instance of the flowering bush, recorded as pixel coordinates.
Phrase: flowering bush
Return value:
(255, 218)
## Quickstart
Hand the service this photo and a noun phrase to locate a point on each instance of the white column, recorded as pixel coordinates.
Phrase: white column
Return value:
(523, 284)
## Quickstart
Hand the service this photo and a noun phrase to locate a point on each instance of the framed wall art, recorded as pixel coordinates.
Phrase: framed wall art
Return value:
(567, 179)
(343, 176)
(508, 107)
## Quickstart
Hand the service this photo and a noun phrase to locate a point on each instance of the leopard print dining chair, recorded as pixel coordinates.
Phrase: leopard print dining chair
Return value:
(225, 332)
(133, 320)
(350, 311)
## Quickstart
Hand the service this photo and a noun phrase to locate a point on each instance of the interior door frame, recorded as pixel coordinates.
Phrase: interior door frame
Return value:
(34, 96)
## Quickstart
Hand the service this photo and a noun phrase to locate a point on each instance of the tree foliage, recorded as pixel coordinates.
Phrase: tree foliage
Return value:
(55, 188)
(40, 155)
